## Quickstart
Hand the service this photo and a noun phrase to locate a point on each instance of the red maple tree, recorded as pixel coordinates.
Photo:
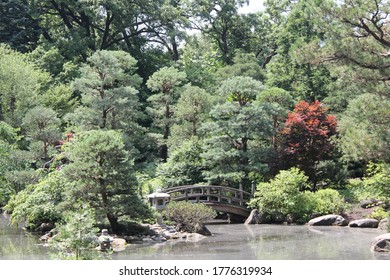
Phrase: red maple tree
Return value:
(306, 137)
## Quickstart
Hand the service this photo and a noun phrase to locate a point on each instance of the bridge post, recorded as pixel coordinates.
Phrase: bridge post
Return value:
(241, 189)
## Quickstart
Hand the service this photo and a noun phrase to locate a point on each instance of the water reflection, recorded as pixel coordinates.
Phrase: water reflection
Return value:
(238, 241)
(270, 242)
(16, 244)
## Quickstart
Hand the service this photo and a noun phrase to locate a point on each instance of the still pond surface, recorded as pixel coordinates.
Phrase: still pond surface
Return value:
(234, 241)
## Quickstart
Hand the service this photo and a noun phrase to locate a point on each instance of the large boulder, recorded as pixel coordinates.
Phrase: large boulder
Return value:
(328, 220)
(384, 223)
(364, 223)
(118, 244)
(368, 203)
(254, 218)
(46, 227)
(204, 231)
(381, 243)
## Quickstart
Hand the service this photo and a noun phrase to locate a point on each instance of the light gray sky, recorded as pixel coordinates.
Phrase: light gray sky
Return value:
(254, 6)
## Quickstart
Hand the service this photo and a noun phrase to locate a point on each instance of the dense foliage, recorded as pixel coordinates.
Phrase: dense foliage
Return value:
(103, 102)
(282, 199)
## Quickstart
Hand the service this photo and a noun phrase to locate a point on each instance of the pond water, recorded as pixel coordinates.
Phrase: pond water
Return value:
(268, 242)
(229, 241)
(17, 244)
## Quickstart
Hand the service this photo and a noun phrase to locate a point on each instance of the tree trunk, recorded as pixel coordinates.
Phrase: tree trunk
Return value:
(245, 159)
(115, 227)
(104, 119)
(164, 147)
(110, 217)
(175, 51)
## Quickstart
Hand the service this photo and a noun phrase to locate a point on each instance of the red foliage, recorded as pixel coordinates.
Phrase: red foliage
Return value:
(306, 136)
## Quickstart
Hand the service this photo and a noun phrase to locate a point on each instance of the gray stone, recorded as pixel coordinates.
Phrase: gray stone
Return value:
(204, 231)
(195, 237)
(45, 227)
(384, 223)
(167, 235)
(364, 223)
(254, 217)
(133, 239)
(173, 235)
(171, 229)
(45, 238)
(290, 218)
(176, 236)
(328, 220)
(368, 203)
(159, 238)
(381, 243)
(147, 239)
(118, 244)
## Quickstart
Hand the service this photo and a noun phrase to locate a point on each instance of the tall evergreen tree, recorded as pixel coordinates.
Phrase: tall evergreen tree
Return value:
(191, 110)
(18, 28)
(166, 82)
(233, 143)
(364, 129)
(109, 97)
(43, 125)
(101, 172)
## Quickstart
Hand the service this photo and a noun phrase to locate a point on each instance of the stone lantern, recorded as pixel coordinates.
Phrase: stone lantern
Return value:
(158, 200)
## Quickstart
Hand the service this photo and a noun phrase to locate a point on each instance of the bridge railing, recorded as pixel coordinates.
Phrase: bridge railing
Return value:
(210, 194)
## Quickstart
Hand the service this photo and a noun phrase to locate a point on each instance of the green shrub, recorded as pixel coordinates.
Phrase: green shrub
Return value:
(328, 201)
(76, 237)
(189, 216)
(375, 184)
(354, 191)
(379, 214)
(282, 195)
(377, 180)
(38, 203)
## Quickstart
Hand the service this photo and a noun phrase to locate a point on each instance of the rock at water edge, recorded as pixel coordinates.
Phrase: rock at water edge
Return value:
(381, 243)
(328, 220)
(204, 231)
(364, 223)
(254, 218)
(384, 223)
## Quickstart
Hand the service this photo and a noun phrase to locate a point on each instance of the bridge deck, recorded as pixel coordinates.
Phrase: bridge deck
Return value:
(223, 199)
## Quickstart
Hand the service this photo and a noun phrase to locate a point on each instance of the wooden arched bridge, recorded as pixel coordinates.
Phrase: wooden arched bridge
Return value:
(221, 199)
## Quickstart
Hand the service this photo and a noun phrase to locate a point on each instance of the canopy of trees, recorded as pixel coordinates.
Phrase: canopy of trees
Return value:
(104, 101)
